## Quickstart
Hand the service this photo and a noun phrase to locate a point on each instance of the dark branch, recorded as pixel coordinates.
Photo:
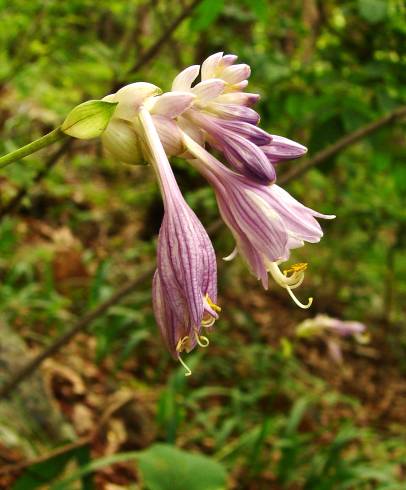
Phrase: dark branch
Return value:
(342, 144)
(153, 50)
(80, 326)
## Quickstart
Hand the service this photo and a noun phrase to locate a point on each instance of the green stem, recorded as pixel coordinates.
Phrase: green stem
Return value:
(36, 145)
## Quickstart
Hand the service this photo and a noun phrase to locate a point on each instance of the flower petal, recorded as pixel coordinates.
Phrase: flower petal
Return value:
(169, 134)
(131, 96)
(283, 149)
(236, 73)
(171, 104)
(210, 65)
(208, 89)
(185, 78)
(236, 112)
(239, 98)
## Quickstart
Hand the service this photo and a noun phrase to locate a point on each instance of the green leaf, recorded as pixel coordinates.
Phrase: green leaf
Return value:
(87, 469)
(164, 467)
(41, 473)
(207, 13)
(373, 11)
(88, 120)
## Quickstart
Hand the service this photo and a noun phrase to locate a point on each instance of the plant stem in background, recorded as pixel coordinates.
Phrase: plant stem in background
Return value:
(46, 140)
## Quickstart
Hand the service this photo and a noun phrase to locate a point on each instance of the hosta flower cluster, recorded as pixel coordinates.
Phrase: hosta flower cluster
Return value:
(208, 109)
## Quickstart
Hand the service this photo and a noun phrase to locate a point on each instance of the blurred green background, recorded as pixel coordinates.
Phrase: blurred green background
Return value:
(263, 409)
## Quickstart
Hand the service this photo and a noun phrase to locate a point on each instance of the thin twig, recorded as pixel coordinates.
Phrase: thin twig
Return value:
(342, 144)
(15, 202)
(81, 325)
(153, 50)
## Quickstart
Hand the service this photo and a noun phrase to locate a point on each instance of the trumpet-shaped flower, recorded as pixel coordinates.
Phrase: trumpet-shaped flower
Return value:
(265, 221)
(184, 286)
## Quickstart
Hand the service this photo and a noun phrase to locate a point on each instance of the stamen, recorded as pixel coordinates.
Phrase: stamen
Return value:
(179, 348)
(212, 305)
(209, 322)
(300, 267)
(283, 280)
(201, 340)
(181, 343)
(232, 256)
(301, 305)
(187, 368)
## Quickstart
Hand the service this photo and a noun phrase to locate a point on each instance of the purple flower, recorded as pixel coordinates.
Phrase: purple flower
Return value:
(223, 112)
(323, 326)
(184, 286)
(265, 221)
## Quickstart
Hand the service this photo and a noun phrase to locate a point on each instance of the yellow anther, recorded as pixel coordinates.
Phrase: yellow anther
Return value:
(300, 267)
(180, 346)
(212, 305)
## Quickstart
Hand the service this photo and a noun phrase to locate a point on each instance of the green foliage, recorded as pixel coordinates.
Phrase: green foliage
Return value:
(256, 403)
(167, 468)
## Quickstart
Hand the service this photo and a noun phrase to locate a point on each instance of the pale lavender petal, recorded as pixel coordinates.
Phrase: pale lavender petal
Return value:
(247, 158)
(210, 65)
(228, 60)
(239, 98)
(299, 219)
(234, 111)
(169, 134)
(184, 80)
(283, 149)
(238, 87)
(171, 104)
(236, 73)
(130, 97)
(252, 133)
(208, 89)
(346, 328)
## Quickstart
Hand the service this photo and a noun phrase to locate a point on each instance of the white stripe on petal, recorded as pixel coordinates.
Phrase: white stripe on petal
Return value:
(184, 80)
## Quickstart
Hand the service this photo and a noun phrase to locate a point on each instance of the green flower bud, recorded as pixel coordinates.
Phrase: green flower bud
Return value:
(89, 120)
